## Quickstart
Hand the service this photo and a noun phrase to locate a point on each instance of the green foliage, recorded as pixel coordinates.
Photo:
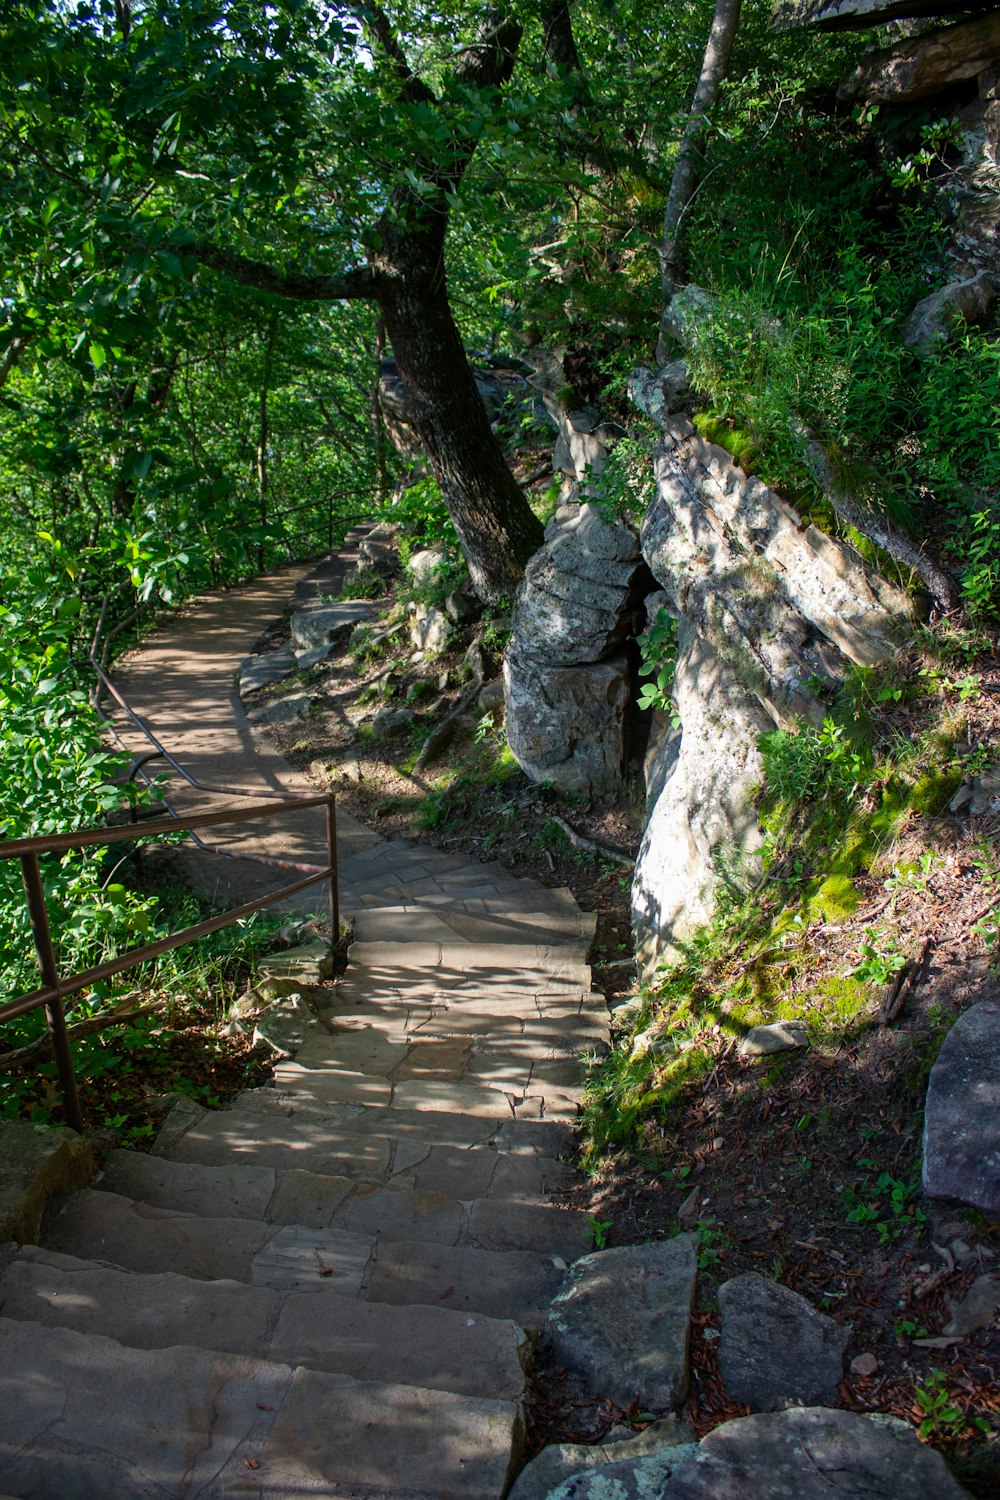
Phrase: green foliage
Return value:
(885, 1202)
(879, 962)
(812, 762)
(657, 660)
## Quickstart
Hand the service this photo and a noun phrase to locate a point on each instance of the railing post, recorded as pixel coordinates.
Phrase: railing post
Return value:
(331, 844)
(35, 893)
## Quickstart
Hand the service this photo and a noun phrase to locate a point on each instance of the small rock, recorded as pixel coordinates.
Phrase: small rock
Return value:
(776, 1350)
(688, 1211)
(628, 1478)
(562, 1461)
(985, 794)
(961, 798)
(389, 722)
(285, 1025)
(309, 963)
(460, 608)
(622, 1320)
(779, 1036)
(961, 1117)
(491, 697)
(430, 628)
(864, 1365)
(813, 1453)
(260, 671)
(425, 564)
(283, 710)
(971, 300)
(976, 1310)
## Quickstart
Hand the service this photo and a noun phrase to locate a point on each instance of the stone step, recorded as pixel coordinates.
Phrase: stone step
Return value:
(106, 1227)
(320, 1202)
(513, 901)
(482, 959)
(111, 1423)
(557, 1020)
(419, 923)
(526, 1098)
(437, 1348)
(313, 1144)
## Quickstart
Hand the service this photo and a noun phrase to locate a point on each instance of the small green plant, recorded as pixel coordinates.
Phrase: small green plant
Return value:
(886, 1203)
(906, 1329)
(879, 962)
(710, 1242)
(944, 1420)
(599, 1230)
(658, 658)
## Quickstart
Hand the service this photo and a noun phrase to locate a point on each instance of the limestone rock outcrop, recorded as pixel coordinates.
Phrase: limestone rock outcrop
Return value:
(768, 610)
(567, 680)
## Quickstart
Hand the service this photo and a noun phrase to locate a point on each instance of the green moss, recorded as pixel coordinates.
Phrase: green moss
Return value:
(735, 440)
(931, 792)
(835, 897)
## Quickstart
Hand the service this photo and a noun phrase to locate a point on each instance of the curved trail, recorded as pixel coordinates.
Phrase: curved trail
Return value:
(331, 1288)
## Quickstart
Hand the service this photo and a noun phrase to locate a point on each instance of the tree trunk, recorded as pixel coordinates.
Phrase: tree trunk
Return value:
(687, 168)
(496, 526)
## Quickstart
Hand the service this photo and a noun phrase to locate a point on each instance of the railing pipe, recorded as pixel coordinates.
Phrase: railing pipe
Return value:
(56, 1017)
(331, 845)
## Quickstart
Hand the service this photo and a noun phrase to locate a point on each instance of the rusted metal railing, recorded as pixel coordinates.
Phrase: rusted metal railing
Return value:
(55, 989)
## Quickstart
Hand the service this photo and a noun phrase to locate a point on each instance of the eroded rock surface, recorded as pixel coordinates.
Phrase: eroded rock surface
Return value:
(813, 1453)
(962, 1114)
(35, 1162)
(567, 1461)
(776, 1349)
(622, 1320)
(767, 608)
(567, 683)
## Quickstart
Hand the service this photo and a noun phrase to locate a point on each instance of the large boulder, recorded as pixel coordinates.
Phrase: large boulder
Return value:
(962, 1113)
(706, 776)
(813, 1453)
(567, 725)
(767, 610)
(920, 66)
(567, 683)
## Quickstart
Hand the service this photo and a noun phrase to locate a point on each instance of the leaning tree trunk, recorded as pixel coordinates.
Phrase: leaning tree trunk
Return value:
(496, 526)
(687, 167)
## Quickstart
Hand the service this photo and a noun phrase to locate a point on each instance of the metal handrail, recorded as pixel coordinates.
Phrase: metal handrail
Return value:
(55, 989)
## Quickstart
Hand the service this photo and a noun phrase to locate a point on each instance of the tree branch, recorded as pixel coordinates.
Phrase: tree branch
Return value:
(489, 61)
(358, 283)
(415, 91)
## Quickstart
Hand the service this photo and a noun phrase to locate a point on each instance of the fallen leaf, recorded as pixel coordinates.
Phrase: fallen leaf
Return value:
(448, 1293)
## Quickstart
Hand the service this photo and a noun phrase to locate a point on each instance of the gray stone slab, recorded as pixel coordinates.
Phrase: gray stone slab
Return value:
(143, 1311)
(35, 1162)
(962, 1113)
(517, 1284)
(626, 1478)
(779, 1036)
(498, 1225)
(137, 1237)
(383, 1440)
(112, 1423)
(622, 1321)
(425, 1346)
(775, 1348)
(299, 1259)
(260, 671)
(321, 624)
(282, 710)
(291, 1142)
(232, 1192)
(361, 1051)
(813, 1453)
(308, 1198)
(402, 1214)
(338, 1085)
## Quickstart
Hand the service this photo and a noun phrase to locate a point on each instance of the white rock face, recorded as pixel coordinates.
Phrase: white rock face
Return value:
(705, 808)
(767, 609)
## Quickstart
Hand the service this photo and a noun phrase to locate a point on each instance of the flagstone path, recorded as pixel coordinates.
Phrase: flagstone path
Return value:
(334, 1287)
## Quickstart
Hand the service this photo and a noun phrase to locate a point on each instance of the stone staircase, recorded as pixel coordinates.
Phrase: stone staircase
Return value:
(335, 1287)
